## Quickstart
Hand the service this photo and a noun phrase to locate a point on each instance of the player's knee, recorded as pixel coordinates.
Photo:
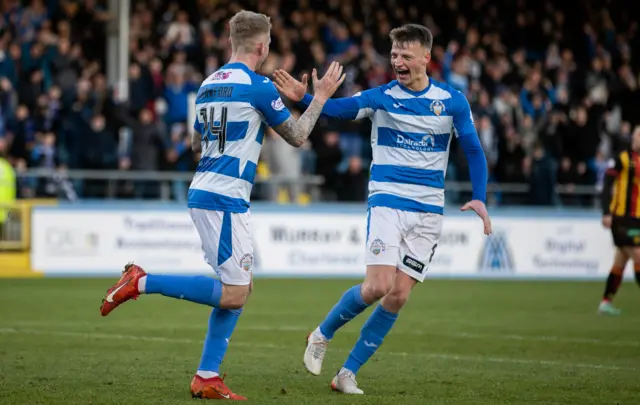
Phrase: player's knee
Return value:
(375, 289)
(235, 302)
(234, 297)
(396, 299)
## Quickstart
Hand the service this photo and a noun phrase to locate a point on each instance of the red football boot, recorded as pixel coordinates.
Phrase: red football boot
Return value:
(125, 289)
(212, 388)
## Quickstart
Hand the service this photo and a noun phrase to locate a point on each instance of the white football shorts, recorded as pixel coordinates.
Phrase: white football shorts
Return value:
(406, 240)
(226, 243)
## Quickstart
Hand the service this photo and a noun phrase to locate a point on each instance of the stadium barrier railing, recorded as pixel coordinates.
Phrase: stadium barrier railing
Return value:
(310, 183)
(165, 179)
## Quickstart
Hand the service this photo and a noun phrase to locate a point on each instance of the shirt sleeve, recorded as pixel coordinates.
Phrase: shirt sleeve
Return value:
(268, 101)
(462, 116)
(468, 137)
(360, 105)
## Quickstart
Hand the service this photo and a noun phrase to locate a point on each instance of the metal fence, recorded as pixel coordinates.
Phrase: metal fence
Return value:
(110, 181)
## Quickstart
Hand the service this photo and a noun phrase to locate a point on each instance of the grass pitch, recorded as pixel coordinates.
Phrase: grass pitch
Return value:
(456, 342)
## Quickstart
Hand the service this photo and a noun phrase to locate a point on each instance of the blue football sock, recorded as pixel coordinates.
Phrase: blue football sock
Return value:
(373, 332)
(222, 322)
(198, 289)
(350, 305)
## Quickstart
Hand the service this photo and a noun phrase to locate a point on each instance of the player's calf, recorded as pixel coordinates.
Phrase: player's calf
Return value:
(382, 319)
(198, 289)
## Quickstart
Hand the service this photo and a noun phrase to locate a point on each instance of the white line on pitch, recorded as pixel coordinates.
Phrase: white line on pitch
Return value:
(462, 335)
(443, 356)
(466, 335)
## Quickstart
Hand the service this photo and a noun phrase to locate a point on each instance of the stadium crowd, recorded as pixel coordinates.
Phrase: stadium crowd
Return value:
(554, 88)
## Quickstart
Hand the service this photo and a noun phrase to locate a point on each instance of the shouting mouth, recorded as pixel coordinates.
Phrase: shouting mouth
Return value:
(402, 74)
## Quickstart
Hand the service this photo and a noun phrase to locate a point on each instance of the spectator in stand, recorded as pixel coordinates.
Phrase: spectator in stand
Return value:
(553, 85)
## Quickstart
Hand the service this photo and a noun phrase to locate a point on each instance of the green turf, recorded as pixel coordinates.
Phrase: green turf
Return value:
(457, 342)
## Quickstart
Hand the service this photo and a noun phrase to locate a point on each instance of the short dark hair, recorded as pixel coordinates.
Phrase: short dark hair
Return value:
(412, 33)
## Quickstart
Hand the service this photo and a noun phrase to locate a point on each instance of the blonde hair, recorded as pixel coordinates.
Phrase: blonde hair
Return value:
(246, 27)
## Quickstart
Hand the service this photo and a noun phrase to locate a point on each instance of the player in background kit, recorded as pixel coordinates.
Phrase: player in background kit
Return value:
(621, 214)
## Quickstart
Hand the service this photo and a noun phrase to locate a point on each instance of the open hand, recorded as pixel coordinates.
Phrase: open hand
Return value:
(480, 209)
(324, 88)
(288, 86)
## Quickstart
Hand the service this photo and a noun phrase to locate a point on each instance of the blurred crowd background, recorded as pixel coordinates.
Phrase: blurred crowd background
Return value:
(553, 86)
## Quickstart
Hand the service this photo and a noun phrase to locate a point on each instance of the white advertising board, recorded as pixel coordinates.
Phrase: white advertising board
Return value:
(536, 247)
(65, 241)
(315, 244)
(303, 244)
(104, 241)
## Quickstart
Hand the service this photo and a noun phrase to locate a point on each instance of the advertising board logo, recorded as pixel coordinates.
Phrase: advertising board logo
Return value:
(61, 241)
(496, 256)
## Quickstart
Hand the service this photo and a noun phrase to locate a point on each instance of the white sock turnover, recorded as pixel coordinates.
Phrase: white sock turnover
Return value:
(207, 374)
(142, 284)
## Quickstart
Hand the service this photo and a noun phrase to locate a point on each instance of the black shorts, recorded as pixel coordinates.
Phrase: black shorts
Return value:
(625, 231)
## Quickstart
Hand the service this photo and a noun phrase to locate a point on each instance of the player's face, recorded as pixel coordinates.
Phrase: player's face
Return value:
(635, 139)
(409, 61)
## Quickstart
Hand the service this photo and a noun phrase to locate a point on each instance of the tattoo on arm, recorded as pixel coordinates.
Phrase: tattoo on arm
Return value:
(196, 142)
(295, 132)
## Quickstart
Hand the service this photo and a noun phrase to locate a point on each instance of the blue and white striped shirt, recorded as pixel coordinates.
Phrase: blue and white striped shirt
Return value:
(233, 108)
(410, 138)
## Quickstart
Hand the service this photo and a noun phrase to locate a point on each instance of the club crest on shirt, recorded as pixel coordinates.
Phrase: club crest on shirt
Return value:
(377, 246)
(437, 107)
(247, 262)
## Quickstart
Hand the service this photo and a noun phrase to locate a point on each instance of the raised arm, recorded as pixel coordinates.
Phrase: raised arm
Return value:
(359, 106)
(296, 131)
(347, 108)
